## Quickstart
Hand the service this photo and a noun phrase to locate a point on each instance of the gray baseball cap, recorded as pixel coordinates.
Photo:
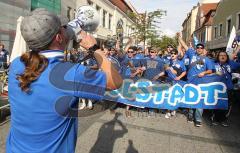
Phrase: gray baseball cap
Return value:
(39, 28)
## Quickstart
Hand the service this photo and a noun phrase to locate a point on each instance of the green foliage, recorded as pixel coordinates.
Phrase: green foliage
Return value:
(146, 25)
(165, 40)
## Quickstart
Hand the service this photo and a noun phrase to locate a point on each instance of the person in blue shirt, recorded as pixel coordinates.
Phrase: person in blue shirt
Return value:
(175, 72)
(167, 57)
(153, 65)
(130, 69)
(4, 57)
(43, 89)
(129, 64)
(224, 67)
(151, 68)
(140, 53)
(199, 66)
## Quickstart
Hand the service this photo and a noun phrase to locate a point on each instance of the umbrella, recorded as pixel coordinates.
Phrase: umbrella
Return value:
(19, 46)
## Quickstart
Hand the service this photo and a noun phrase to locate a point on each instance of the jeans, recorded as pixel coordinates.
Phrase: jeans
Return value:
(196, 114)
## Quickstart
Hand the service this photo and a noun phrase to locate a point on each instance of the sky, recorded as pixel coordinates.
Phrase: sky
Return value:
(176, 12)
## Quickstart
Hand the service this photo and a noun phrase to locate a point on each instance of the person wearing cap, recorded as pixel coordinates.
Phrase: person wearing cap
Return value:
(43, 89)
(199, 66)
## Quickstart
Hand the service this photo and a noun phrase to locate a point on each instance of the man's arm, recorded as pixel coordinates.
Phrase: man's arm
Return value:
(180, 40)
(114, 80)
(180, 50)
(202, 74)
(119, 52)
(129, 43)
(181, 75)
(210, 68)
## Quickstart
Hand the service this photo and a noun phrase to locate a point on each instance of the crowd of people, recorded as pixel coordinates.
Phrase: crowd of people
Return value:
(183, 62)
(46, 84)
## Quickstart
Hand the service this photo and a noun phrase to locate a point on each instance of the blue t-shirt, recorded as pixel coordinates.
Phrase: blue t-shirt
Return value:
(153, 67)
(92, 62)
(185, 60)
(178, 66)
(45, 120)
(3, 58)
(226, 71)
(202, 64)
(3, 55)
(139, 56)
(126, 69)
(167, 59)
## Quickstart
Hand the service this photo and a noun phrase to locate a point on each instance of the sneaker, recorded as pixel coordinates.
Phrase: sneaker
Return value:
(151, 113)
(90, 106)
(198, 124)
(214, 123)
(83, 105)
(190, 120)
(173, 113)
(167, 115)
(225, 123)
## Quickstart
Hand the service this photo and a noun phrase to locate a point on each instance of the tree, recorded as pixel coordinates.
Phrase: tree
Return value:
(146, 26)
(165, 41)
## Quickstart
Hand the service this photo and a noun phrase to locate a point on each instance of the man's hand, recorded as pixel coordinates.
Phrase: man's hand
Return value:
(155, 78)
(201, 74)
(177, 78)
(87, 40)
(178, 34)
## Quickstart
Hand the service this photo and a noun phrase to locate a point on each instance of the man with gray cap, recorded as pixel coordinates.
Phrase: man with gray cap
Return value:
(43, 89)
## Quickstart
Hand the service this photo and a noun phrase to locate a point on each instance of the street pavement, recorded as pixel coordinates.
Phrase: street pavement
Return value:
(114, 133)
(155, 134)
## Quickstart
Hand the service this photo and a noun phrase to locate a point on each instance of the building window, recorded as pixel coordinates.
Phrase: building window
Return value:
(215, 32)
(220, 29)
(228, 26)
(98, 8)
(110, 22)
(238, 21)
(90, 2)
(104, 18)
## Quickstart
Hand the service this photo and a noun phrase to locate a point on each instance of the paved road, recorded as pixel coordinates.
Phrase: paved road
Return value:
(107, 133)
(156, 134)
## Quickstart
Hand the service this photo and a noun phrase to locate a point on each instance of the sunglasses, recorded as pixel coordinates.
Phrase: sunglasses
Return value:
(173, 53)
(130, 51)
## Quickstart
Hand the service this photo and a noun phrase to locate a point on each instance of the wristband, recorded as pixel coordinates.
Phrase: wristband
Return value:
(92, 49)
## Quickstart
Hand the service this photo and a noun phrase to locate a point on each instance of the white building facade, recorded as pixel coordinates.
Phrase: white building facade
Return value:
(112, 19)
